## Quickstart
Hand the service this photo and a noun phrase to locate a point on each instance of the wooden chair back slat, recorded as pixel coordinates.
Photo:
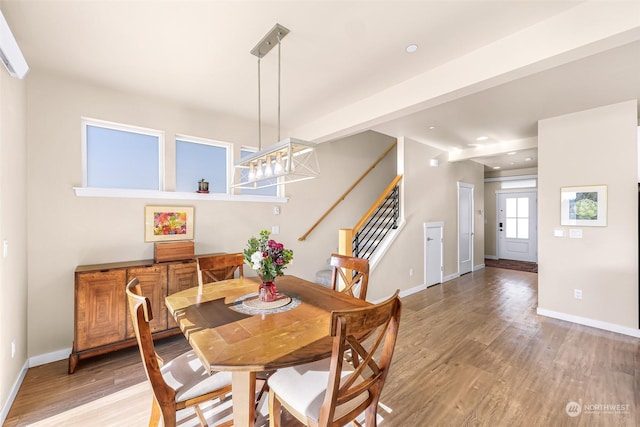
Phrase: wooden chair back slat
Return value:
(215, 268)
(353, 272)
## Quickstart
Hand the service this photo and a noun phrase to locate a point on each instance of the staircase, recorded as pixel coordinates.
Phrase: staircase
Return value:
(374, 227)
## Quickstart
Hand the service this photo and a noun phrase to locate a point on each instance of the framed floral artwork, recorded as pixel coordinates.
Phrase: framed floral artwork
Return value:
(168, 223)
(584, 206)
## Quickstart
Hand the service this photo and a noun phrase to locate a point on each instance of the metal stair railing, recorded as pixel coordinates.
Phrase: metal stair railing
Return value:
(364, 238)
(380, 223)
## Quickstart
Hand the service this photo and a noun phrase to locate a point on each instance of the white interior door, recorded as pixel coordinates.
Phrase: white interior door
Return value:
(433, 262)
(465, 228)
(517, 225)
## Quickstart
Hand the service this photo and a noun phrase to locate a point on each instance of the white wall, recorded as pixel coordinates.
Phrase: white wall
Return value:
(593, 147)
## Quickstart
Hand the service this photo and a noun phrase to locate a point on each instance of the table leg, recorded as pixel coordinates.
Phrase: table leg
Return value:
(243, 389)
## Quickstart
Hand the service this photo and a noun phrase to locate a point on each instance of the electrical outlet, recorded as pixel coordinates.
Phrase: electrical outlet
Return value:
(275, 229)
(577, 293)
(410, 272)
(13, 349)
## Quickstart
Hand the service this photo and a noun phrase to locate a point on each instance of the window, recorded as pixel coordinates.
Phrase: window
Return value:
(198, 159)
(517, 217)
(518, 183)
(244, 173)
(121, 156)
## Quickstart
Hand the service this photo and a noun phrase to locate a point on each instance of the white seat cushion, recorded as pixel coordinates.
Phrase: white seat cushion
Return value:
(186, 375)
(303, 388)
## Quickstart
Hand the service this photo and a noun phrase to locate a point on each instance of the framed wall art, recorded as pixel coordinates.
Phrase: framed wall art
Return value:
(168, 223)
(584, 206)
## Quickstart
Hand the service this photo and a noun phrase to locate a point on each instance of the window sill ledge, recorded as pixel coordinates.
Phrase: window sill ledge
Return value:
(172, 195)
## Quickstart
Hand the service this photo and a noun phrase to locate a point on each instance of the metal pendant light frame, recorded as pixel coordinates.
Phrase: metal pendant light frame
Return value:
(287, 161)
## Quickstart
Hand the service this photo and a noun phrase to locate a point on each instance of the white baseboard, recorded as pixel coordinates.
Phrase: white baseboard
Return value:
(478, 267)
(491, 257)
(419, 288)
(413, 290)
(13, 393)
(402, 294)
(450, 277)
(589, 322)
(54, 356)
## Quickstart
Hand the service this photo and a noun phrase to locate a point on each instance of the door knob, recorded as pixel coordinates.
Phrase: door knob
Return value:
(429, 239)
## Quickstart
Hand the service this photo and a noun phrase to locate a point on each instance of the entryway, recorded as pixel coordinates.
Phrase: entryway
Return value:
(517, 224)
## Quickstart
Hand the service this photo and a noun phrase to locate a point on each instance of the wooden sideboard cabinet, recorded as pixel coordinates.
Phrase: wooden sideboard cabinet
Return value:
(102, 323)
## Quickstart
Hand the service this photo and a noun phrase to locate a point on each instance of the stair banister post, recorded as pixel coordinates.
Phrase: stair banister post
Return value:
(345, 241)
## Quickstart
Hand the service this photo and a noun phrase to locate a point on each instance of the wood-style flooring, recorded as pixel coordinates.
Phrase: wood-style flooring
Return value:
(470, 352)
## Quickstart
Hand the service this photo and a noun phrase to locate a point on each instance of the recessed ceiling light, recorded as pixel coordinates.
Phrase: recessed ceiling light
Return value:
(411, 48)
(511, 153)
(496, 167)
(528, 159)
(431, 127)
(482, 138)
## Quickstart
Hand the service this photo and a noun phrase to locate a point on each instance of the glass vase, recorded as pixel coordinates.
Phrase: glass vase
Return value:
(267, 291)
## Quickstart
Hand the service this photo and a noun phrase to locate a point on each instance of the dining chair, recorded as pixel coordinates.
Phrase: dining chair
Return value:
(353, 272)
(333, 392)
(180, 383)
(214, 268)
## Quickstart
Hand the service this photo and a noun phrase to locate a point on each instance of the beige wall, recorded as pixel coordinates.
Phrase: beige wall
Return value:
(66, 230)
(490, 188)
(13, 228)
(430, 195)
(592, 147)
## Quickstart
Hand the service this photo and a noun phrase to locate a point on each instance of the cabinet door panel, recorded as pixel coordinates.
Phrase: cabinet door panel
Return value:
(153, 281)
(101, 308)
(181, 276)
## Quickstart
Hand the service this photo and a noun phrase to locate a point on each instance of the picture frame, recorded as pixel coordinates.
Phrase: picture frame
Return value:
(584, 206)
(168, 223)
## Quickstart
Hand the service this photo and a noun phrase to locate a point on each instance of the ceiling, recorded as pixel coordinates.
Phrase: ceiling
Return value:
(344, 64)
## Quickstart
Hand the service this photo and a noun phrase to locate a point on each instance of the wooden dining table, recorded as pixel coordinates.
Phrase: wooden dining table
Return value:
(226, 339)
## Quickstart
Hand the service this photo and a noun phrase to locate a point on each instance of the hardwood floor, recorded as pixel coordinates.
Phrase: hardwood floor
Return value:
(471, 352)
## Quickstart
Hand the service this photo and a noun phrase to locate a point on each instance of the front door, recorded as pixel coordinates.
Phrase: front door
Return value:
(465, 228)
(517, 225)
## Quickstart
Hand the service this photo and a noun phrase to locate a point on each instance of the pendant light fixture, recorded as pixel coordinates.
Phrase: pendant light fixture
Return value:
(287, 161)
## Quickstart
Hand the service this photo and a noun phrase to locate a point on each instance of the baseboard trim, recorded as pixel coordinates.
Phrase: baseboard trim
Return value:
(54, 356)
(589, 322)
(478, 267)
(450, 277)
(13, 393)
(491, 257)
(412, 291)
(419, 288)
